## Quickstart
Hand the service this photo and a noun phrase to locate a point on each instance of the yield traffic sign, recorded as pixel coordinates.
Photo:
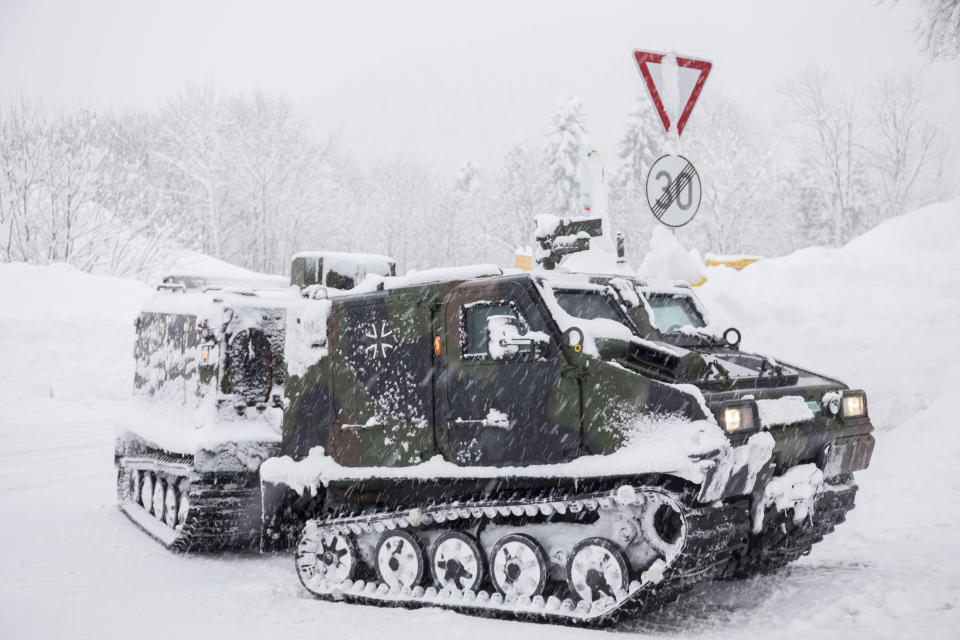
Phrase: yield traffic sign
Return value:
(691, 76)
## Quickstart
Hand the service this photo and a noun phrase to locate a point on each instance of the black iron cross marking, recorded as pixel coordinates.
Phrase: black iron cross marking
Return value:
(383, 341)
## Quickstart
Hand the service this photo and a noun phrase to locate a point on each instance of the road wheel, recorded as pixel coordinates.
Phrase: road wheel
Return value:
(332, 556)
(518, 566)
(596, 568)
(146, 490)
(159, 491)
(183, 508)
(457, 562)
(133, 484)
(170, 506)
(400, 560)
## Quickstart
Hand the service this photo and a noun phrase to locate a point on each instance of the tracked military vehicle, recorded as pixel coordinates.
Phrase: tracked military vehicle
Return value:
(558, 447)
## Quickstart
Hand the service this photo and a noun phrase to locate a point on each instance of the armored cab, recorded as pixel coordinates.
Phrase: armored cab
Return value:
(559, 447)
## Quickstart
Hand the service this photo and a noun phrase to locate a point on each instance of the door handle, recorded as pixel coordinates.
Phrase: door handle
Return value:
(483, 422)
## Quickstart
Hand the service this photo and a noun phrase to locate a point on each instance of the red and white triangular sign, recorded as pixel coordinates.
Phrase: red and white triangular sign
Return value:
(691, 75)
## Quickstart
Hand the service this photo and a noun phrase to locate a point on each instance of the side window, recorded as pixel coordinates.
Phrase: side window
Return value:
(473, 325)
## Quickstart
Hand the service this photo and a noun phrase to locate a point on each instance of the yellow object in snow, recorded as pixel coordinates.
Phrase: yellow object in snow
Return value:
(735, 263)
(523, 262)
(702, 280)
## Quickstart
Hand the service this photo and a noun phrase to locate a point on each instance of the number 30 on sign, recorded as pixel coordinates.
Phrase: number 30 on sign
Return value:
(673, 190)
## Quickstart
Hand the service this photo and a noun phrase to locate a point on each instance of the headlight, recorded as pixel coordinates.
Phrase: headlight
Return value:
(854, 404)
(738, 416)
(731, 418)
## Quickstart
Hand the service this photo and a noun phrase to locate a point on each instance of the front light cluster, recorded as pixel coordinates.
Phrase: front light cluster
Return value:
(738, 417)
(854, 404)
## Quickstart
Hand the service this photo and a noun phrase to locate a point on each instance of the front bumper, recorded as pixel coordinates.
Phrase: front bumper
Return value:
(836, 447)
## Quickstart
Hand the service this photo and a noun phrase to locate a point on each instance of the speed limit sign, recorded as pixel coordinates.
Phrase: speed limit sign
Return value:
(673, 190)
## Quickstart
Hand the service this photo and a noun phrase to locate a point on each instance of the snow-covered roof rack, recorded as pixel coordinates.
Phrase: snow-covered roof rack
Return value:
(199, 282)
(443, 274)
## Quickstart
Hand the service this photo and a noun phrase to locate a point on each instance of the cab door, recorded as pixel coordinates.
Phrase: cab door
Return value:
(382, 370)
(503, 409)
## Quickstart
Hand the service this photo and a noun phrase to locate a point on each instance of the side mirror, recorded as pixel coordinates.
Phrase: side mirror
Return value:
(504, 340)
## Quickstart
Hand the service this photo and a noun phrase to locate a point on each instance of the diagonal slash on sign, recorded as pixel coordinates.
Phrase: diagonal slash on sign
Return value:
(671, 193)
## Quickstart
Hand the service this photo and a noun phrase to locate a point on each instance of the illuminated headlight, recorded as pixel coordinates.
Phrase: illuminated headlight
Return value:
(739, 417)
(731, 418)
(854, 404)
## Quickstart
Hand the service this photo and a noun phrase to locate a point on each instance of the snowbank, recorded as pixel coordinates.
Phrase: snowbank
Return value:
(668, 260)
(200, 264)
(65, 334)
(881, 313)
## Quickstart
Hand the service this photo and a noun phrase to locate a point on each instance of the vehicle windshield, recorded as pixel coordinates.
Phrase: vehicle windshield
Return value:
(673, 311)
(589, 305)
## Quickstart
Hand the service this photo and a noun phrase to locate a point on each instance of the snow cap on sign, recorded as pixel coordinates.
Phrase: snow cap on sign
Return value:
(674, 83)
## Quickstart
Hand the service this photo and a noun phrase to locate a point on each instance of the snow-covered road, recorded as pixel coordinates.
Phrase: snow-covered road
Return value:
(73, 566)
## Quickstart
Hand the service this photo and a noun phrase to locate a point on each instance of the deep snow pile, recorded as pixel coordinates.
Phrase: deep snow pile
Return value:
(881, 313)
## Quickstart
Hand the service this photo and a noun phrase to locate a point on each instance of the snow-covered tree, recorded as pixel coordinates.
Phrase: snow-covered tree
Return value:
(279, 182)
(732, 160)
(906, 149)
(642, 143)
(522, 188)
(192, 133)
(24, 147)
(827, 129)
(567, 148)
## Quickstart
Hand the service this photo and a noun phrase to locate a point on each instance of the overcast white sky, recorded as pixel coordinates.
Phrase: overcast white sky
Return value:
(446, 81)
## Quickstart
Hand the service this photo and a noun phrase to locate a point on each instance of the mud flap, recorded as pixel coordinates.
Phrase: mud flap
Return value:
(284, 513)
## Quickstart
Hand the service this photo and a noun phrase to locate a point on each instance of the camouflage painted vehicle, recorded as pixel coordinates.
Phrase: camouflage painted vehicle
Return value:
(535, 446)
(558, 447)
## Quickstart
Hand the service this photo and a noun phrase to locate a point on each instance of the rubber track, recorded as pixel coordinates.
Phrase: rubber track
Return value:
(225, 508)
(780, 542)
(705, 554)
